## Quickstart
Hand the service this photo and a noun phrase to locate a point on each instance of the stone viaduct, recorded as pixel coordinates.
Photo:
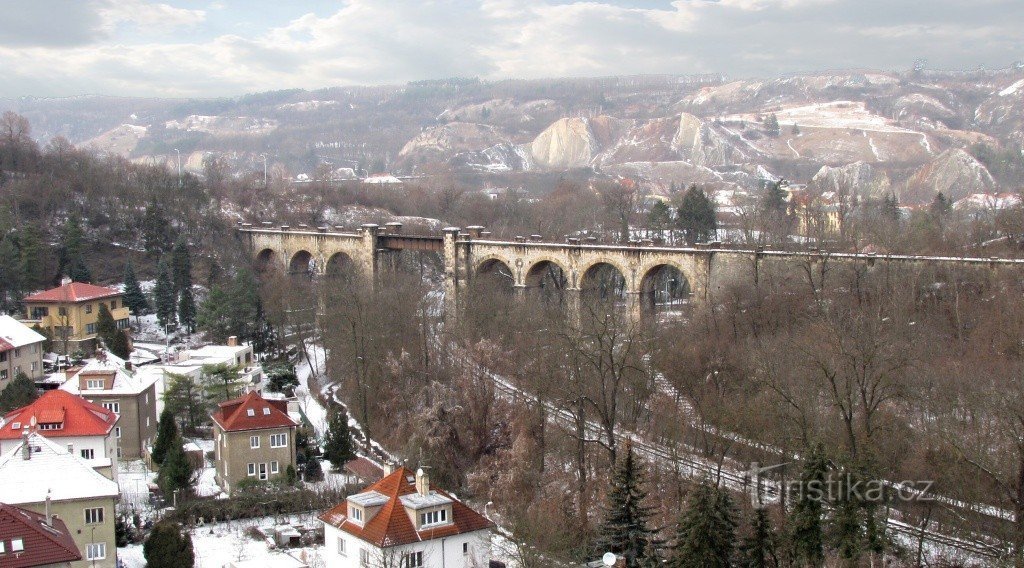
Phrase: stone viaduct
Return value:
(640, 273)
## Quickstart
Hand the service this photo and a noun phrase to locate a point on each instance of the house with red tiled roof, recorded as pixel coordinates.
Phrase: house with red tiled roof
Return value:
(21, 351)
(402, 521)
(70, 312)
(87, 430)
(32, 540)
(254, 438)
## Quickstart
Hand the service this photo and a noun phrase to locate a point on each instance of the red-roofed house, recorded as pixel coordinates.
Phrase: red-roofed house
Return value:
(254, 438)
(71, 311)
(21, 351)
(402, 521)
(29, 539)
(69, 421)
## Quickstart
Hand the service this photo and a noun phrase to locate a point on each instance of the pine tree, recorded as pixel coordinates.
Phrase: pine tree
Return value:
(774, 199)
(181, 265)
(167, 434)
(796, 130)
(163, 296)
(311, 470)
(106, 327)
(940, 206)
(184, 397)
(291, 477)
(625, 529)
(806, 536)
(79, 272)
(221, 382)
(70, 251)
(157, 232)
(891, 208)
(21, 392)
(133, 296)
(771, 125)
(758, 548)
(10, 275)
(176, 471)
(338, 447)
(187, 309)
(706, 535)
(168, 546)
(30, 241)
(696, 216)
(119, 344)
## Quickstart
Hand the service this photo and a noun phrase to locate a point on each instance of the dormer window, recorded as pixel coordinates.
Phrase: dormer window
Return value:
(434, 517)
(356, 513)
(17, 545)
(94, 384)
(51, 425)
(250, 412)
(266, 411)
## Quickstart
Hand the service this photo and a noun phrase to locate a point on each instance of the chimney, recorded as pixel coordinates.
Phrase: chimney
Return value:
(388, 468)
(26, 450)
(233, 341)
(422, 482)
(127, 365)
(65, 281)
(49, 517)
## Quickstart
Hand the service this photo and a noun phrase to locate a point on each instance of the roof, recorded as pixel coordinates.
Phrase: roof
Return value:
(50, 469)
(13, 334)
(364, 469)
(43, 543)
(392, 525)
(125, 381)
(80, 417)
(252, 412)
(73, 292)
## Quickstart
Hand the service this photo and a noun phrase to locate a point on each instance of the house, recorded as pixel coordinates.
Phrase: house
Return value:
(89, 430)
(30, 539)
(70, 312)
(402, 521)
(43, 477)
(117, 386)
(21, 351)
(254, 438)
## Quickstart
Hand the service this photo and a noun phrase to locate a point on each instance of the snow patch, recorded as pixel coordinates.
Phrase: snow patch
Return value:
(1012, 89)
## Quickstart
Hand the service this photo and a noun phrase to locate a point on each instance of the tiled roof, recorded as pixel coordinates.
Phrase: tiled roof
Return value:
(50, 469)
(13, 334)
(42, 544)
(73, 292)
(391, 526)
(252, 412)
(364, 469)
(80, 417)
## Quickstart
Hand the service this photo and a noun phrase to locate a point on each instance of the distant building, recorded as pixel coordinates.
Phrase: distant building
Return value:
(86, 429)
(118, 387)
(402, 521)
(21, 351)
(254, 438)
(70, 313)
(44, 477)
(29, 539)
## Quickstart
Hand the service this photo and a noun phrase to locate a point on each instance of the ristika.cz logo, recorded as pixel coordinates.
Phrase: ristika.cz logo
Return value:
(835, 488)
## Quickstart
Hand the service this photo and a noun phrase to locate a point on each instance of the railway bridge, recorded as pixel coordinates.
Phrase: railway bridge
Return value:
(642, 275)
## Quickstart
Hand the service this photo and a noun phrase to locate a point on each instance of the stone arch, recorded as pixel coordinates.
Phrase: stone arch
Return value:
(604, 281)
(301, 263)
(494, 272)
(268, 259)
(547, 278)
(664, 286)
(339, 265)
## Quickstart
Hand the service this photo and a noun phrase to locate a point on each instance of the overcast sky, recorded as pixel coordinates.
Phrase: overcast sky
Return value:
(217, 48)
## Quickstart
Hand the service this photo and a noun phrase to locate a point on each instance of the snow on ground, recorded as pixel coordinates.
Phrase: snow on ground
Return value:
(1012, 89)
(311, 407)
(218, 544)
(834, 114)
(133, 479)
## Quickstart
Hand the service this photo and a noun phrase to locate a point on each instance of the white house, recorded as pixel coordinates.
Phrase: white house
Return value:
(400, 521)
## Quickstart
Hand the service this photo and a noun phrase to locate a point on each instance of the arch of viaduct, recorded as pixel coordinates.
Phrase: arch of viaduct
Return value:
(468, 253)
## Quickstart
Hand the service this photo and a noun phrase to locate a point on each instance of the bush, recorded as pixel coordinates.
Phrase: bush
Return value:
(168, 547)
(255, 503)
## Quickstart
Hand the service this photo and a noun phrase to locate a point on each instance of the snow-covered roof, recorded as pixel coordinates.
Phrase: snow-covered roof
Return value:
(125, 381)
(50, 468)
(368, 499)
(16, 334)
(382, 178)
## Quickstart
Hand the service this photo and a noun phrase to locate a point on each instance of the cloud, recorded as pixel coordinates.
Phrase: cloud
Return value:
(123, 47)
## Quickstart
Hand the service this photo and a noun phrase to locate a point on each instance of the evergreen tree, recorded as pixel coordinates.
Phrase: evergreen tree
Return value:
(771, 125)
(167, 434)
(706, 535)
(10, 275)
(176, 471)
(79, 272)
(696, 216)
(231, 310)
(338, 447)
(774, 199)
(221, 382)
(187, 309)
(291, 477)
(805, 523)
(625, 529)
(163, 296)
(282, 378)
(940, 206)
(184, 397)
(106, 327)
(21, 392)
(168, 546)
(891, 208)
(123, 532)
(796, 130)
(133, 296)
(30, 241)
(120, 345)
(157, 231)
(758, 548)
(660, 216)
(69, 252)
(181, 265)
(311, 470)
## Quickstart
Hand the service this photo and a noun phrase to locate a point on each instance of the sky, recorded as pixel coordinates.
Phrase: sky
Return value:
(197, 48)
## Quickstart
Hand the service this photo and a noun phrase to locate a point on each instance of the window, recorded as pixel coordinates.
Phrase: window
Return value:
(17, 352)
(266, 411)
(114, 407)
(119, 452)
(35, 348)
(356, 514)
(113, 305)
(62, 311)
(90, 328)
(412, 560)
(88, 454)
(51, 425)
(278, 440)
(94, 384)
(3, 374)
(146, 398)
(254, 441)
(39, 312)
(3, 356)
(96, 551)
(33, 366)
(250, 412)
(364, 557)
(465, 548)
(17, 545)
(94, 516)
(122, 323)
(2, 548)
(341, 546)
(117, 431)
(147, 422)
(274, 467)
(88, 308)
(252, 470)
(434, 517)
(263, 472)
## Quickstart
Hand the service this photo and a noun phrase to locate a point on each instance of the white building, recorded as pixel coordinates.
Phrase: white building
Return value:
(402, 521)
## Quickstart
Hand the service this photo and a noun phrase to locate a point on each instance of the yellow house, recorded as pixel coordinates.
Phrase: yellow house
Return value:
(70, 313)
